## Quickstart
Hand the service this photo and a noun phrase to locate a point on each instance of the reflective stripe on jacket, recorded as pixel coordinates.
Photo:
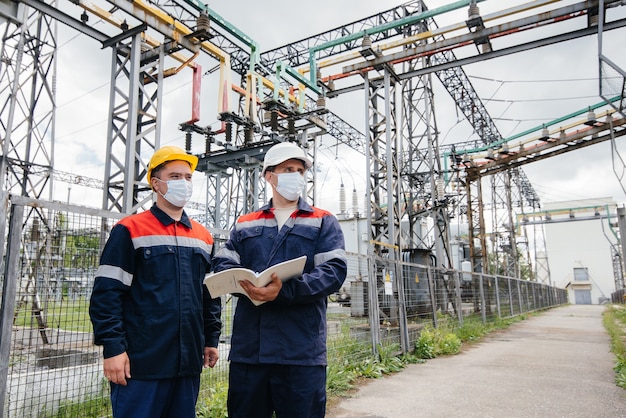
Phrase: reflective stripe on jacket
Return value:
(149, 299)
(292, 328)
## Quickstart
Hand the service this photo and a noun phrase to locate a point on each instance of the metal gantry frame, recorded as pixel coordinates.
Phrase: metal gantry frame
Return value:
(583, 133)
(134, 123)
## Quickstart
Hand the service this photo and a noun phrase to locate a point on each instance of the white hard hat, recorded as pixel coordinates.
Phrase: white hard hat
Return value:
(282, 152)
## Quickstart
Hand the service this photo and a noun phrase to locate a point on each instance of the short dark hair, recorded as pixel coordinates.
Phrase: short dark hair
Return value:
(155, 170)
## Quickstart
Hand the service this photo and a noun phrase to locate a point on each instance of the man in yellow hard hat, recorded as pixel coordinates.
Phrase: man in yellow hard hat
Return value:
(150, 311)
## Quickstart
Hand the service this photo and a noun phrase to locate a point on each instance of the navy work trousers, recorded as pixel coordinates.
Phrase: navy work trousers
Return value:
(257, 390)
(166, 398)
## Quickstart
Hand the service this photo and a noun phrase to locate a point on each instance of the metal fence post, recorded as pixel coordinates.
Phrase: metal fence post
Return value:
(497, 290)
(483, 312)
(9, 288)
(508, 283)
(402, 314)
(373, 314)
(433, 298)
(4, 205)
(459, 299)
(519, 296)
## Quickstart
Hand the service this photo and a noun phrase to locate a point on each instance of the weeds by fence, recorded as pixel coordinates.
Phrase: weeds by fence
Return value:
(614, 319)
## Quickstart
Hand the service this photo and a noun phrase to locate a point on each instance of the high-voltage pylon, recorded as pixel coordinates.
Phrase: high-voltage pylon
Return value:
(386, 186)
(542, 266)
(28, 100)
(136, 83)
(383, 165)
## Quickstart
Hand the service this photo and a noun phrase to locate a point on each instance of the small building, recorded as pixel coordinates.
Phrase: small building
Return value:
(582, 290)
(580, 238)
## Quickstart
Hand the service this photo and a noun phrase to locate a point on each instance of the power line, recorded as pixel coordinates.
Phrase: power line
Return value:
(560, 80)
(541, 100)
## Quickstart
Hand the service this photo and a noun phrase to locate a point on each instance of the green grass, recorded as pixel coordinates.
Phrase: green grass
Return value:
(614, 320)
(96, 407)
(435, 342)
(213, 405)
(69, 315)
(449, 336)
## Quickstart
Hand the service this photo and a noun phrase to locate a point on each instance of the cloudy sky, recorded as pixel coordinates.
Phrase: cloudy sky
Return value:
(520, 91)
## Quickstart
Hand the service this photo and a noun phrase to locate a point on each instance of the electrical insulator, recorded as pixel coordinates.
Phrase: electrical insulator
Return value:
(366, 43)
(188, 142)
(291, 126)
(321, 102)
(591, 118)
(203, 23)
(473, 12)
(593, 16)
(229, 132)
(249, 134)
(441, 188)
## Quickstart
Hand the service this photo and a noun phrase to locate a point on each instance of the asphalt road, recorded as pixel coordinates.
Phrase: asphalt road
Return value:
(554, 364)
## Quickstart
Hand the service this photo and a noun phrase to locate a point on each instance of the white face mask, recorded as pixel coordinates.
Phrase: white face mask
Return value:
(178, 192)
(290, 185)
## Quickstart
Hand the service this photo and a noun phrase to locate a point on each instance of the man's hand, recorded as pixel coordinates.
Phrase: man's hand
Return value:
(263, 294)
(117, 369)
(211, 355)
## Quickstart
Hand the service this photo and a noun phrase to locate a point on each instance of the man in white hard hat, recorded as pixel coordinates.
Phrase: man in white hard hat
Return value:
(149, 308)
(278, 348)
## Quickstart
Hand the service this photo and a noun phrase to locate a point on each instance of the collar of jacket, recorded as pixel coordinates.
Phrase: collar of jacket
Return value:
(302, 205)
(165, 219)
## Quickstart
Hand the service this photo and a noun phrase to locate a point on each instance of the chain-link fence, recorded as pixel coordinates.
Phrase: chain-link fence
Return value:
(49, 366)
(619, 296)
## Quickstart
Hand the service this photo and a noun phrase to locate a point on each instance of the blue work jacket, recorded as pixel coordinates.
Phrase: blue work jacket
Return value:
(149, 298)
(291, 330)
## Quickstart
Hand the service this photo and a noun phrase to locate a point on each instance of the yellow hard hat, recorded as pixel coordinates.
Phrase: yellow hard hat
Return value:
(170, 153)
